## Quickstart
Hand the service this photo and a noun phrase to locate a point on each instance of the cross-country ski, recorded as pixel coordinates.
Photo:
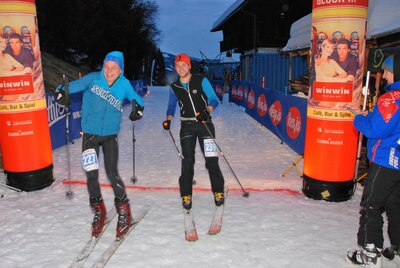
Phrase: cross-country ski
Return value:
(88, 248)
(109, 252)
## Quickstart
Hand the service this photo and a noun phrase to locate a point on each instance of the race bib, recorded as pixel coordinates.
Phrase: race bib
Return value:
(89, 160)
(210, 148)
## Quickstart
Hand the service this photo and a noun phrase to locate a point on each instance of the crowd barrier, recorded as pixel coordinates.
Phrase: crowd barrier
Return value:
(284, 115)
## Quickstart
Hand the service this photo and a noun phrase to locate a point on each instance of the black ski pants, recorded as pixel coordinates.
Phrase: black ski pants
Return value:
(189, 133)
(110, 153)
(381, 193)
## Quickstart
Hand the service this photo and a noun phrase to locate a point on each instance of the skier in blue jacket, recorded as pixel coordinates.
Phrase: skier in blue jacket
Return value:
(382, 186)
(103, 96)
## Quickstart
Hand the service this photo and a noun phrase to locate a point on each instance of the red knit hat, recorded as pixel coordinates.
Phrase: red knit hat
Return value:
(183, 57)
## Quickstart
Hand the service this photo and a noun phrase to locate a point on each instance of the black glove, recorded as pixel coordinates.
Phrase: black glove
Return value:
(203, 116)
(166, 124)
(61, 96)
(137, 112)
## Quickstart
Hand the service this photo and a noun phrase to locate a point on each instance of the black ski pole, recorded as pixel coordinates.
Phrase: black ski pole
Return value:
(134, 179)
(245, 193)
(10, 187)
(69, 194)
(176, 147)
(177, 150)
(7, 186)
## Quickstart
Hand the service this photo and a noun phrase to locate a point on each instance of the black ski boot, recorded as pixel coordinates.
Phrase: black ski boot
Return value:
(390, 252)
(369, 256)
(219, 198)
(187, 202)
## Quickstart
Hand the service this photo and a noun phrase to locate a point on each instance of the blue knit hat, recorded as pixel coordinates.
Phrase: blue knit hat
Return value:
(388, 64)
(117, 57)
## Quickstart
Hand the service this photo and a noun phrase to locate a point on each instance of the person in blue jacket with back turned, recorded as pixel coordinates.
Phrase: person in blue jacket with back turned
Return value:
(382, 186)
(103, 96)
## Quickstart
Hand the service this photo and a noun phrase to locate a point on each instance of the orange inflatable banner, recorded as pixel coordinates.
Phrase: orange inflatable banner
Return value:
(337, 63)
(25, 135)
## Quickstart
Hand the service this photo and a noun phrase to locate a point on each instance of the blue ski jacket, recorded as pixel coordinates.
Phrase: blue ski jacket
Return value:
(382, 127)
(101, 103)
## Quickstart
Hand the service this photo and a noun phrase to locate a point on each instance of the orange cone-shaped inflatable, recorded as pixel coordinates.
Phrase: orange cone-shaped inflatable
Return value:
(24, 130)
(338, 39)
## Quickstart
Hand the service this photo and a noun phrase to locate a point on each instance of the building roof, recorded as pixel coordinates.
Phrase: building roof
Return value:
(383, 20)
(235, 7)
(249, 24)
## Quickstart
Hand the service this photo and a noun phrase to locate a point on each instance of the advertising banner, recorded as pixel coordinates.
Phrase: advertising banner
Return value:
(218, 86)
(337, 63)
(25, 135)
(238, 92)
(284, 115)
(57, 119)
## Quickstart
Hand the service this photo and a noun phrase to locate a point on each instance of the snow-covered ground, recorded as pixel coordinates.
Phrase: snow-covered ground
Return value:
(277, 226)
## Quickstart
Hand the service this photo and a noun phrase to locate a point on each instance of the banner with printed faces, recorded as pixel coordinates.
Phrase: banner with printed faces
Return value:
(336, 81)
(25, 135)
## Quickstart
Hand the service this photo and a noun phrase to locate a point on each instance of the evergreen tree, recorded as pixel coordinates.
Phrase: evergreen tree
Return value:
(95, 27)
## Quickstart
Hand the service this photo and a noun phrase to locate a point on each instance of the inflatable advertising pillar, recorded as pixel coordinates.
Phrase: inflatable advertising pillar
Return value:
(336, 77)
(24, 130)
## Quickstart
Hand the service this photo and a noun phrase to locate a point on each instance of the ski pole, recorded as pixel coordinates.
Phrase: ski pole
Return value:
(10, 187)
(69, 194)
(176, 147)
(177, 150)
(134, 179)
(245, 193)
(360, 135)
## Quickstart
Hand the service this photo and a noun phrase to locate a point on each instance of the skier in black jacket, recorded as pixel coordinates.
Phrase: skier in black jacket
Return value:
(197, 100)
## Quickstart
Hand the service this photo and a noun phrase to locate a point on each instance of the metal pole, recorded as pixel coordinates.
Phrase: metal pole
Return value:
(69, 194)
(360, 135)
(176, 147)
(10, 187)
(152, 70)
(177, 150)
(134, 179)
(245, 193)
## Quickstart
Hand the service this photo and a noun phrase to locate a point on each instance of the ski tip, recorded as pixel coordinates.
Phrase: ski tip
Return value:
(191, 237)
(146, 208)
(212, 233)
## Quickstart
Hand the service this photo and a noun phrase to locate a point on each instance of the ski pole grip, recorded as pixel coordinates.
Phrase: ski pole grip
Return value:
(66, 90)
(66, 85)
